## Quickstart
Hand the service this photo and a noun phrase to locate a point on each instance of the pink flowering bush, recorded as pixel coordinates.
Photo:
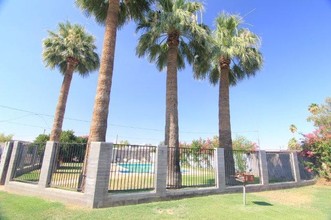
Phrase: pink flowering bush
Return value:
(317, 146)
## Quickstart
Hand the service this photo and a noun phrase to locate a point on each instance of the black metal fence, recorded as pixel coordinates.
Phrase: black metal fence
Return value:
(279, 166)
(305, 172)
(68, 166)
(132, 168)
(28, 162)
(238, 163)
(189, 167)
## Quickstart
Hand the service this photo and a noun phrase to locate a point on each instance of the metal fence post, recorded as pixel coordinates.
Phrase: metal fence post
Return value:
(47, 165)
(295, 167)
(4, 162)
(220, 169)
(264, 168)
(98, 172)
(161, 170)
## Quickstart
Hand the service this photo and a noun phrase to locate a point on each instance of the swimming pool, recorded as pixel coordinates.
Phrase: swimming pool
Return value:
(137, 167)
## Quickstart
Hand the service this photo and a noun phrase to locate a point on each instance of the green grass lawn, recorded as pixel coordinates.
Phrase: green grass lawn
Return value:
(312, 202)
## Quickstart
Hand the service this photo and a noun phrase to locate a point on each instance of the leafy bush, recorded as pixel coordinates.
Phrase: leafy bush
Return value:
(241, 143)
(5, 138)
(70, 143)
(242, 148)
(317, 145)
(199, 151)
(293, 144)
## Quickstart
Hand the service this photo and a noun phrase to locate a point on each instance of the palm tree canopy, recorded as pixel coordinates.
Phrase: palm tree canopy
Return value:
(70, 42)
(172, 18)
(239, 45)
(293, 128)
(313, 108)
(128, 9)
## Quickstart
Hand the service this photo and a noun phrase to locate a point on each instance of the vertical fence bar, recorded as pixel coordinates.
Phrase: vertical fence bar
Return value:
(68, 166)
(22, 153)
(170, 167)
(197, 168)
(132, 168)
(27, 168)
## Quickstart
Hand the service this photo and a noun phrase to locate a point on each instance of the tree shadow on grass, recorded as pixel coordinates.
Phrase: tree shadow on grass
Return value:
(262, 203)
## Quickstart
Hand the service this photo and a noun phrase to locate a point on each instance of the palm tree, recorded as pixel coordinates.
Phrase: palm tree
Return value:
(313, 108)
(171, 35)
(71, 49)
(234, 56)
(293, 128)
(113, 14)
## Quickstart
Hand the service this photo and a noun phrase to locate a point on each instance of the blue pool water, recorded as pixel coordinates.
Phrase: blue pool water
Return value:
(136, 167)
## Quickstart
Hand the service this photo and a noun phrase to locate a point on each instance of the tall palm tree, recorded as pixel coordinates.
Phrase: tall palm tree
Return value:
(234, 56)
(113, 14)
(171, 35)
(71, 49)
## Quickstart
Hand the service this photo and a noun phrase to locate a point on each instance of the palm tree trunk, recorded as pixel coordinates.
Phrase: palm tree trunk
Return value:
(225, 139)
(98, 127)
(62, 102)
(174, 174)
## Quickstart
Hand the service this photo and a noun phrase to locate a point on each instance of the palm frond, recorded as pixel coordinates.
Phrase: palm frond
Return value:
(214, 75)
(70, 41)
(96, 8)
(238, 44)
(128, 10)
(172, 16)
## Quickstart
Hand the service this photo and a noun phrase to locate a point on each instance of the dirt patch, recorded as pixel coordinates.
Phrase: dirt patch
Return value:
(177, 211)
(287, 197)
(165, 211)
(323, 182)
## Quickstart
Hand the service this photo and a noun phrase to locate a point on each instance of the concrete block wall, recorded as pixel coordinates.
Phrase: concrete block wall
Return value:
(4, 162)
(161, 170)
(97, 175)
(47, 165)
(96, 194)
(14, 160)
(220, 169)
(264, 168)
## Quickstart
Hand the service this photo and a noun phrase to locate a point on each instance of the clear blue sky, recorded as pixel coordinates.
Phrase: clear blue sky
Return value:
(296, 44)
